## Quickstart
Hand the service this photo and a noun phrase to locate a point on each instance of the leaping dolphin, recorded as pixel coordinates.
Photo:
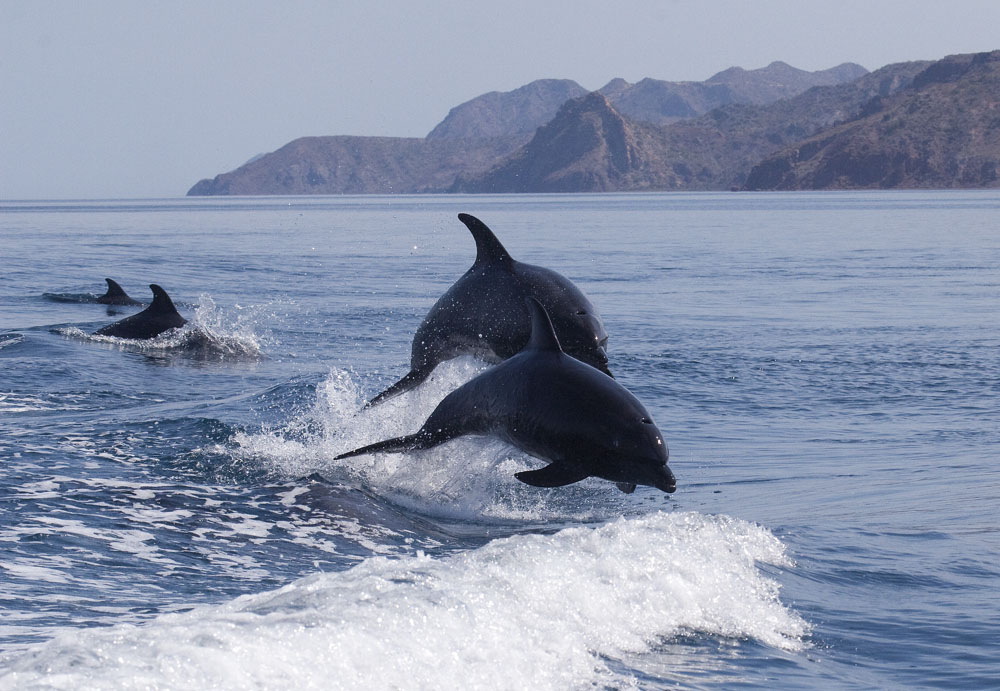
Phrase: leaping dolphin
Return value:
(116, 295)
(160, 316)
(483, 314)
(556, 408)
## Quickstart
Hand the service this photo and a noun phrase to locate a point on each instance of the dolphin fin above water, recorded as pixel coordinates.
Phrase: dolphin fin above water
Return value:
(483, 314)
(489, 250)
(116, 295)
(160, 316)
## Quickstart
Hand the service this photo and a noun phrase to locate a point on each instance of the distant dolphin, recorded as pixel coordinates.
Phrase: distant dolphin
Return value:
(152, 321)
(483, 314)
(553, 407)
(116, 295)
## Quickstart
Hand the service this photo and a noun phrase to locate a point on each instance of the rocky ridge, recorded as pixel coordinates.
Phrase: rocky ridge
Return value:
(915, 124)
(942, 131)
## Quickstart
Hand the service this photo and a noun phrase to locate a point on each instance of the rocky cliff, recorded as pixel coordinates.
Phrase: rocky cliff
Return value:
(588, 146)
(591, 147)
(942, 131)
(360, 165)
(915, 124)
(523, 110)
(479, 133)
(661, 103)
(499, 114)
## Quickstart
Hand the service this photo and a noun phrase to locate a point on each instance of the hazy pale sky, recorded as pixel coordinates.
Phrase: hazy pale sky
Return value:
(126, 98)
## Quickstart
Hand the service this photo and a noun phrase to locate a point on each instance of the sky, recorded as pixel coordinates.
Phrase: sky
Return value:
(112, 99)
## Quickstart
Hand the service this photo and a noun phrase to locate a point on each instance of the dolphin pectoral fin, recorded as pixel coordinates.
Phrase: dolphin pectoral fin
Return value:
(412, 379)
(626, 487)
(555, 474)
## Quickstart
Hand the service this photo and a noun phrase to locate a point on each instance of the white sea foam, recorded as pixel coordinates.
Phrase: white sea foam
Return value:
(211, 332)
(14, 402)
(469, 478)
(529, 611)
(10, 340)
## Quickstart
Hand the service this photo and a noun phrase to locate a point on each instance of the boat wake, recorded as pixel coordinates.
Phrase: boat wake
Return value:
(526, 611)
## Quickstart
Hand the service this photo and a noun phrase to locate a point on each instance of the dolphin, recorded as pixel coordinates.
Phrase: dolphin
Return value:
(483, 314)
(116, 295)
(553, 407)
(152, 321)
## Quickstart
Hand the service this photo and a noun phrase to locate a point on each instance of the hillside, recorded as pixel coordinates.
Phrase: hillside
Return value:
(499, 114)
(591, 147)
(588, 146)
(943, 131)
(523, 110)
(359, 165)
(913, 124)
(661, 103)
(479, 133)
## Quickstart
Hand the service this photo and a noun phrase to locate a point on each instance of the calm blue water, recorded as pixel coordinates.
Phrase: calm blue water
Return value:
(825, 367)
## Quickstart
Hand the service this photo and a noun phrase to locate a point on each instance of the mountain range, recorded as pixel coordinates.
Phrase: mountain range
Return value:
(913, 124)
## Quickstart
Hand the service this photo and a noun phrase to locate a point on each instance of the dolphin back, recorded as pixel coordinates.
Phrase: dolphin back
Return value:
(151, 322)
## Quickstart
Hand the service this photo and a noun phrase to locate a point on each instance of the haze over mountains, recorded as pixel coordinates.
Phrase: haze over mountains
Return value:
(913, 124)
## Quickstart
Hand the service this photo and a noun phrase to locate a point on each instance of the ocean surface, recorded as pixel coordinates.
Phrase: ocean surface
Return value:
(825, 368)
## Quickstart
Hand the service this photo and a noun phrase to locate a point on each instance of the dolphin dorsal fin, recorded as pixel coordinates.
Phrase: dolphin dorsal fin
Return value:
(114, 290)
(161, 301)
(543, 336)
(488, 248)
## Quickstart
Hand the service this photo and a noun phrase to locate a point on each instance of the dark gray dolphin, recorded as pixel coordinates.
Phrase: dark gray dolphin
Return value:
(116, 295)
(152, 321)
(484, 314)
(553, 407)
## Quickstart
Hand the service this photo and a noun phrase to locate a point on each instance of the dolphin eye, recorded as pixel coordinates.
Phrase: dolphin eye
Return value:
(646, 421)
(581, 311)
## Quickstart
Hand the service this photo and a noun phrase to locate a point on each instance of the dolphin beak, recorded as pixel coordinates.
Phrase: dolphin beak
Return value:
(665, 481)
(602, 362)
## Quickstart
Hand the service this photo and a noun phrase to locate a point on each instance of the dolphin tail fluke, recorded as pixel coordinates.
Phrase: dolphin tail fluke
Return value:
(410, 381)
(554, 475)
(407, 443)
(411, 442)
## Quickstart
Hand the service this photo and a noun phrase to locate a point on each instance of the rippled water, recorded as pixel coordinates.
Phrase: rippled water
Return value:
(825, 367)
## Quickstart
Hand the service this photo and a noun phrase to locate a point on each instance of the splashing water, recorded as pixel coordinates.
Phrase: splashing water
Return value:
(528, 611)
(213, 333)
(469, 479)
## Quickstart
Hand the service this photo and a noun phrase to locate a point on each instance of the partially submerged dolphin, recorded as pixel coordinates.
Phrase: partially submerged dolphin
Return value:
(553, 407)
(116, 295)
(483, 314)
(151, 322)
